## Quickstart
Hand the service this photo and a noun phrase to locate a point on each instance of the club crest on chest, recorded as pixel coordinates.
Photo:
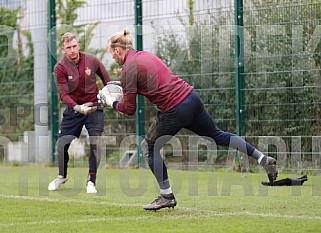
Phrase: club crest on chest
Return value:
(88, 71)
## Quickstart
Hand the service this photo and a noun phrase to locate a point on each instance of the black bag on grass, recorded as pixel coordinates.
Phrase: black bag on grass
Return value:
(287, 181)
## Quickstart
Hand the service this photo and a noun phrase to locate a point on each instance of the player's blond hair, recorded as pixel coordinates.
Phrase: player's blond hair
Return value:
(121, 39)
(67, 37)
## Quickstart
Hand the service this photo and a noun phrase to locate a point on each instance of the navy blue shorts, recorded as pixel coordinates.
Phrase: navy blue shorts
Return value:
(73, 122)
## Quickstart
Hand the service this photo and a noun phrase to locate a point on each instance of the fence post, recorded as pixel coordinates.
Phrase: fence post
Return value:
(140, 122)
(54, 111)
(239, 70)
(239, 66)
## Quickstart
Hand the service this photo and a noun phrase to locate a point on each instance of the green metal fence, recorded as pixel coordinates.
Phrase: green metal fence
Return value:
(255, 64)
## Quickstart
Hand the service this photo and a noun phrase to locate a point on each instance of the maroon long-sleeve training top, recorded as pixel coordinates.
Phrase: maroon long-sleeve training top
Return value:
(145, 74)
(77, 84)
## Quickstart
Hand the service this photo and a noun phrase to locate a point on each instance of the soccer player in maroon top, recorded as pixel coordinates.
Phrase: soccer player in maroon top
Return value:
(178, 105)
(75, 76)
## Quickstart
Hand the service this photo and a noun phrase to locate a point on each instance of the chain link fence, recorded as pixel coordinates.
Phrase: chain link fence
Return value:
(196, 39)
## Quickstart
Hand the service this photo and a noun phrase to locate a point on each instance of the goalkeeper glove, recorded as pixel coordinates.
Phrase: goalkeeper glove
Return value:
(114, 82)
(85, 108)
(106, 100)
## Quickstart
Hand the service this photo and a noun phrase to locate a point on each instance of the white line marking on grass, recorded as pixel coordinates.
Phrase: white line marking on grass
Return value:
(73, 221)
(265, 215)
(187, 209)
(68, 201)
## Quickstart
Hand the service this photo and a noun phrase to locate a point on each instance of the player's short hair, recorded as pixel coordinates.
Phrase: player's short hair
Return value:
(121, 39)
(67, 37)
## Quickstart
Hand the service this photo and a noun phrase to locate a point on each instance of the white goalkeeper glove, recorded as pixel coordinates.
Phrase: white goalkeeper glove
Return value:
(110, 93)
(115, 82)
(106, 100)
(85, 108)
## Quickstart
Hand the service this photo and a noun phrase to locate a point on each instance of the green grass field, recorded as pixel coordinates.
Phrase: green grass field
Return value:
(208, 201)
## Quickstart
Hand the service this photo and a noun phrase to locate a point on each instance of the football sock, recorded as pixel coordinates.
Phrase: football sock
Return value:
(166, 191)
(92, 177)
(260, 159)
(258, 155)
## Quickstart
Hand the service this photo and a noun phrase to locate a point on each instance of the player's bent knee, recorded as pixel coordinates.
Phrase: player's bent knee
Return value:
(63, 141)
